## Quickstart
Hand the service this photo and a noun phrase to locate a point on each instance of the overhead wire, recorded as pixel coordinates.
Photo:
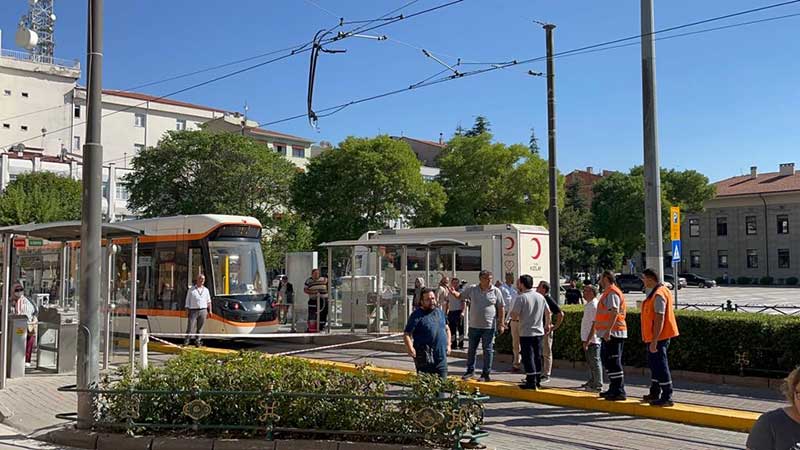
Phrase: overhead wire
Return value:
(603, 46)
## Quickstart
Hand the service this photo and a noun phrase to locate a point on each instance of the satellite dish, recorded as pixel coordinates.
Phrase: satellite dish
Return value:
(26, 38)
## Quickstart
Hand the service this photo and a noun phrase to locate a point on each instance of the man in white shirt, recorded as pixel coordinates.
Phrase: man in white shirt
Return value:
(198, 305)
(591, 342)
(510, 294)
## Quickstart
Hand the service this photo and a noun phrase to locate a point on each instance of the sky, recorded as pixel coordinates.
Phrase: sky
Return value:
(726, 100)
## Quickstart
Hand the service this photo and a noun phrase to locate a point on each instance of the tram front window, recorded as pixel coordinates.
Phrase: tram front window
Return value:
(238, 268)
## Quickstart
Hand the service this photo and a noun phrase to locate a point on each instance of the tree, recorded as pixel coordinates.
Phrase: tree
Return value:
(533, 143)
(430, 210)
(575, 230)
(688, 189)
(492, 183)
(200, 172)
(289, 234)
(363, 185)
(480, 127)
(40, 197)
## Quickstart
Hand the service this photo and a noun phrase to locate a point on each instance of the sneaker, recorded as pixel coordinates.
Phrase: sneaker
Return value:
(616, 397)
(485, 378)
(468, 376)
(662, 402)
(604, 394)
(592, 389)
(531, 387)
(545, 379)
(516, 370)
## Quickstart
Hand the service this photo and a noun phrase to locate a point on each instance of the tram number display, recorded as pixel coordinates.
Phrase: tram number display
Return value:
(240, 231)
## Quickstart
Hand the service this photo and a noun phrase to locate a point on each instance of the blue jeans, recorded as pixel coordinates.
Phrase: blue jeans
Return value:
(486, 337)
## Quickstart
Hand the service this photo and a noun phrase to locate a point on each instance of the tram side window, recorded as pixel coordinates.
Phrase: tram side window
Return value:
(166, 274)
(195, 264)
(145, 296)
(468, 259)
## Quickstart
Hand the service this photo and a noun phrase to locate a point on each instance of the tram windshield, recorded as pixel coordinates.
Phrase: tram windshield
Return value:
(238, 268)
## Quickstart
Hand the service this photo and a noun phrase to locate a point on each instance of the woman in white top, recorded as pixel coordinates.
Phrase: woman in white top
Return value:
(24, 306)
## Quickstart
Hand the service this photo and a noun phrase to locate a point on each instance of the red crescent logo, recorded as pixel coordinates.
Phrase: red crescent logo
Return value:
(538, 248)
(511, 242)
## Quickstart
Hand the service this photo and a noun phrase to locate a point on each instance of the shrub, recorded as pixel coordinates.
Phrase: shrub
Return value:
(731, 280)
(792, 281)
(708, 342)
(743, 280)
(766, 280)
(754, 281)
(193, 374)
(719, 280)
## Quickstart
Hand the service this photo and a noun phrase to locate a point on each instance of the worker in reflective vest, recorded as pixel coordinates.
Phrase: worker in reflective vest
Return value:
(658, 327)
(610, 326)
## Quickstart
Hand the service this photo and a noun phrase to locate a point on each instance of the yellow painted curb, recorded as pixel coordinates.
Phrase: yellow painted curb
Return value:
(707, 416)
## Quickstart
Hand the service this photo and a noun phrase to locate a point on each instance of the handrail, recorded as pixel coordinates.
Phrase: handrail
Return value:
(30, 57)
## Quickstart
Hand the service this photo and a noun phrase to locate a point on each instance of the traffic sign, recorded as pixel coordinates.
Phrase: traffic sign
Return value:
(676, 251)
(35, 242)
(19, 243)
(675, 223)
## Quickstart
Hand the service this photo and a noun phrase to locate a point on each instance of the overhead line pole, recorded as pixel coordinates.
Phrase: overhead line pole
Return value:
(555, 260)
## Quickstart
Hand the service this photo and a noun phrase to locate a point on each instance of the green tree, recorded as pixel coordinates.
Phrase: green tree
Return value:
(492, 183)
(430, 210)
(688, 189)
(481, 126)
(289, 234)
(361, 186)
(40, 197)
(533, 143)
(574, 230)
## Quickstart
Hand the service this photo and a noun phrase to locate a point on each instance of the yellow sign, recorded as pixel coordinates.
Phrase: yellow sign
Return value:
(675, 223)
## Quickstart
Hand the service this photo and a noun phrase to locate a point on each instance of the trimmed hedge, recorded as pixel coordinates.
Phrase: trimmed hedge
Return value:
(792, 281)
(709, 342)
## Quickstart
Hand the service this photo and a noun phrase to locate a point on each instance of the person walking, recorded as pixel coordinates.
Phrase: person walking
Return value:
(610, 326)
(25, 307)
(779, 429)
(316, 287)
(529, 310)
(198, 306)
(591, 343)
(442, 291)
(454, 308)
(658, 328)
(547, 344)
(285, 298)
(510, 294)
(485, 304)
(427, 337)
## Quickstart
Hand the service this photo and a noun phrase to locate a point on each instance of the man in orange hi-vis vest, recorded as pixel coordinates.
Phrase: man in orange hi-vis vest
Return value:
(658, 327)
(610, 326)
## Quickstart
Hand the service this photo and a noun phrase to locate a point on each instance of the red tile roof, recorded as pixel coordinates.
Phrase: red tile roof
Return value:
(152, 98)
(762, 184)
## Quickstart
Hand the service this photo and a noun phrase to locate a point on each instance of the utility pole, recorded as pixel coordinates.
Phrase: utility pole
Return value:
(552, 220)
(92, 215)
(652, 170)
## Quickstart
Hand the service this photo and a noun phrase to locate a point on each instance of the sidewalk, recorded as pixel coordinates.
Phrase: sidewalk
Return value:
(11, 439)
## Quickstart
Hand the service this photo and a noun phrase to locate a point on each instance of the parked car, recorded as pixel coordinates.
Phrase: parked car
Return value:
(630, 282)
(692, 279)
(670, 279)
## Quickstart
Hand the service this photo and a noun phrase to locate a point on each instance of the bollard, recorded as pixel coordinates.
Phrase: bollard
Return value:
(144, 339)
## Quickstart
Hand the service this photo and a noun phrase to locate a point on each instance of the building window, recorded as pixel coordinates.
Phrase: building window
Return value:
(783, 224)
(77, 111)
(783, 258)
(298, 152)
(694, 259)
(694, 227)
(137, 148)
(752, 258)
(722, 259)
(122, 192)
(76, 143)
(280, 148)
(722, 226)
(180, 124)
(25, 94)
(23, 128)
(6, 92)
(7, 126)
(139, 120)
(750, 227)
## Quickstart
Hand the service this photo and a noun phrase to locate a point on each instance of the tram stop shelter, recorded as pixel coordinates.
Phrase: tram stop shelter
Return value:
(65, 232)
(379, 275)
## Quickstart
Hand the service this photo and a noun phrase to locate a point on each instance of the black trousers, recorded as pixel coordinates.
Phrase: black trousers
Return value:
(456, 324)
(531, 351)
(611, 354)
(660, 379)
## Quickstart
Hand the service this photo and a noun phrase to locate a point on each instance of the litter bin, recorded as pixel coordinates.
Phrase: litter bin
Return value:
(58, 340)
(18, 325)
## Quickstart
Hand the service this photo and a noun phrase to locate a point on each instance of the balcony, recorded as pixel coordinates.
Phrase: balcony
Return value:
(17, 55)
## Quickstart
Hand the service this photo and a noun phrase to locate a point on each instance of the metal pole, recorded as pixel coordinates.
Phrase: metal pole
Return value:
(62, 287)
(652, 176)
(379, 286)
(144, 339)
(353, 300)
(552, 220)
(107, 306)
(7, 240)
(427, 266)
(331, 297)
(404, 276)
(675, 281)
(88, 370)
(132, 308)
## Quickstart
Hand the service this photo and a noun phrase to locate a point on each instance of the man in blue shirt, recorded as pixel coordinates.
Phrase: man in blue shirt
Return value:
(427, 336)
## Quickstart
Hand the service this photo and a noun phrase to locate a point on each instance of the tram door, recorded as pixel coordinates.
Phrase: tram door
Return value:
(195, 266)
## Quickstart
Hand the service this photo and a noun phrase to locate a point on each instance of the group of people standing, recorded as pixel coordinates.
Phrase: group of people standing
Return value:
(532, 316)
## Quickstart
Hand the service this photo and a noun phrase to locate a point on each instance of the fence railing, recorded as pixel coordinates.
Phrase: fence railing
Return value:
(438, 420)
(30, 57)
(729, 306)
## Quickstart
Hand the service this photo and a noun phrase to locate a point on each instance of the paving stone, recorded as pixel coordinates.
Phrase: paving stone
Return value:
(72, 438)
(182, 443)
(123, 442)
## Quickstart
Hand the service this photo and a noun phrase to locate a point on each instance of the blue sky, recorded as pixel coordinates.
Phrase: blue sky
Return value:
(726, 100)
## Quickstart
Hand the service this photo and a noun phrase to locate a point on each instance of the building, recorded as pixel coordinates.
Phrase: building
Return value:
(585, 180)
(748, 229)
(427, 152)
(44, 108)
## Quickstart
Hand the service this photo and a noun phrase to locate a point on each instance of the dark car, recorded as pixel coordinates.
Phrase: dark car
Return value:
(630, 282)
(693, 279)
(681, 281)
